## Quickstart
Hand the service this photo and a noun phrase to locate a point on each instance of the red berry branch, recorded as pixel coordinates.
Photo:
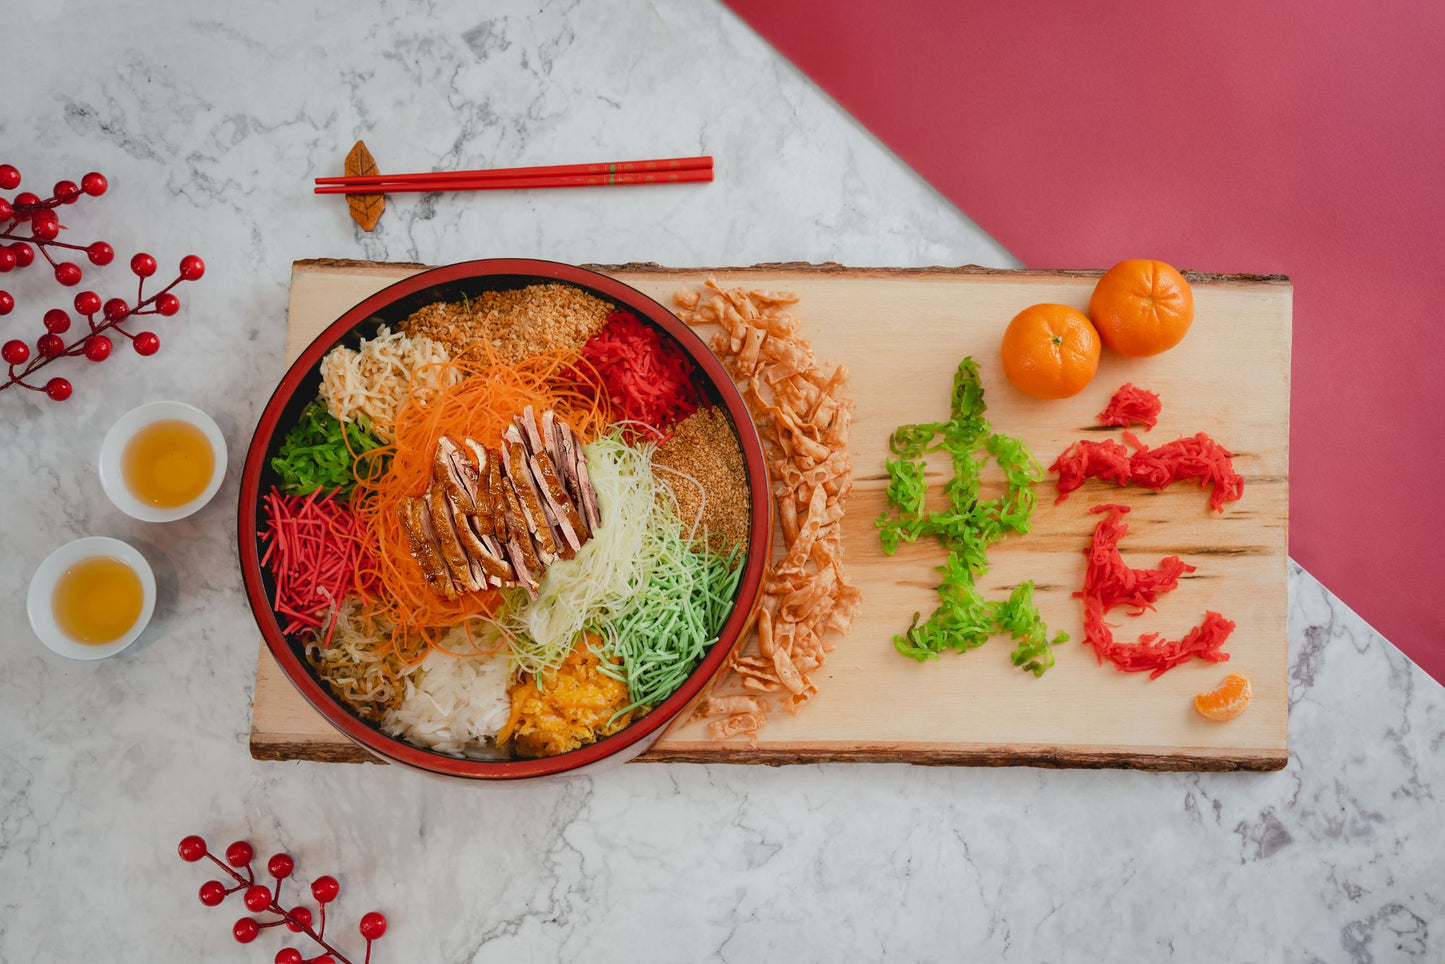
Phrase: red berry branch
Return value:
(17, 250)
(260, 899)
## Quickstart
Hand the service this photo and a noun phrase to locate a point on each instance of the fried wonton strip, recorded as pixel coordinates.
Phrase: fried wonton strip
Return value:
(788, 518)
(765, 633)
(795, 702)
(730, 705)
(805, 423)
(743, 724)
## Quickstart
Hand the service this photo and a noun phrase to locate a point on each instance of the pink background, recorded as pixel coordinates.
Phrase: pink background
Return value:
(1305, 139)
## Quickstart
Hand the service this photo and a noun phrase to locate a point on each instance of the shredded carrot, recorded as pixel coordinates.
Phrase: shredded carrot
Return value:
(1109, 582)
(1197, 457)
(1132, 405)
(480, 406)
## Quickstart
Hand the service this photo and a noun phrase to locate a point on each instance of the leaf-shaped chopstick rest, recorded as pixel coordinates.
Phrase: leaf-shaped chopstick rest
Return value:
(366, 209)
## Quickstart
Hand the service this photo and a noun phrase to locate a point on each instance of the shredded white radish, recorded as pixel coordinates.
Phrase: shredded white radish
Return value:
(453, 705)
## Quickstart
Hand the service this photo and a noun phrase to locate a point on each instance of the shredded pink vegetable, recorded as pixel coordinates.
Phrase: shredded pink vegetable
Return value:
(317, 553)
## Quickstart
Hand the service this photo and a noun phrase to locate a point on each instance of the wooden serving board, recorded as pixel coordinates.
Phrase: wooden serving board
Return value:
(902, 332)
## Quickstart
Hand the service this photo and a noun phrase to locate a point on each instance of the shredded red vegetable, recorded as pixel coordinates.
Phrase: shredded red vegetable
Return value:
(1132, 406)
(1107, 460)
(1108, 582)
(315, 549)
(1114, 584)
(647, 377)
(1197, 457)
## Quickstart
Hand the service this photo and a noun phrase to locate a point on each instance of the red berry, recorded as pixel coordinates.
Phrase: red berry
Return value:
(257, 898)
(289, 955)
(100, 253)
(325, 889)
(26, 199)
(58, 389)
(16, 352)
(6, 210)
(245, 929)
(7, 302)
(45, 229)
(50, 346)
(68, 273)
(299, 919)
(239, 854)
(212, 893)
(372, 925)
(192, 848)
(280, 866)
(24, 254)
(168, 304)
(87, 302)
(67, 191)
(97, 348)
(323, 959)
(57, 321)
(94, 184)
(7, 259)
(9, 177)
(147, 343)
(192, 268)
(116, 308)
(143, 265)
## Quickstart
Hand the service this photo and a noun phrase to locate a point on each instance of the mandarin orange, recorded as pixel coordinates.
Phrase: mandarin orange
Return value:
(1141, 307)
(1227, 700)
(1050, 351)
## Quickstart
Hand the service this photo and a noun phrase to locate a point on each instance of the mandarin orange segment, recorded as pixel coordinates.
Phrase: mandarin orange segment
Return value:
(1142, 307)
(1227, 700)
(1050, 351)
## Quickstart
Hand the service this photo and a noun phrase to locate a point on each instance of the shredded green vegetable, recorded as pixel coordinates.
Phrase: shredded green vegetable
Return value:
(1034, 652)
(670, 625)
(966, 528)
(315, 455)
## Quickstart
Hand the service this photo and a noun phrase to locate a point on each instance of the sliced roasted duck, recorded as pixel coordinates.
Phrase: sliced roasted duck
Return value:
(499, 517)
(574, 464)
(560, 509)
(455, 470)
(514, 458)
(519, 540)
(496, 518)
(482, 551)
(449, 542)
(415, 518)
(459, 482)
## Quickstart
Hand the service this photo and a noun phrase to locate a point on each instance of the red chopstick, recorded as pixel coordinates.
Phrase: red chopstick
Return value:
(656, 165)
(507, 184)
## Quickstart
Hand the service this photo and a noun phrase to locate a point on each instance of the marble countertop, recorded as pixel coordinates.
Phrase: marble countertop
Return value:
(210, 119)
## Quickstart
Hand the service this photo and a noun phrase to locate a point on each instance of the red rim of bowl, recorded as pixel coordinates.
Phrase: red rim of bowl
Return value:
(397, 750)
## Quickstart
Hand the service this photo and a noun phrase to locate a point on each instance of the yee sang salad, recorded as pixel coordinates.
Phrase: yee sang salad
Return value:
(510, 528)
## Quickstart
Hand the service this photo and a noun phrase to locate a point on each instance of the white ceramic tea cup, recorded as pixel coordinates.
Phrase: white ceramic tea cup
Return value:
(112, 452)
(40, 603)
